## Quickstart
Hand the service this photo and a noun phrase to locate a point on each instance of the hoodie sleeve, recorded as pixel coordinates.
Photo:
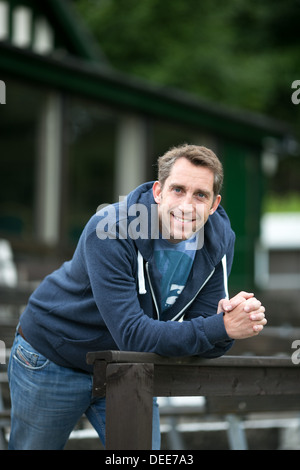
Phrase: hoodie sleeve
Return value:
(205, 306)
(111, 266)
(206, 303)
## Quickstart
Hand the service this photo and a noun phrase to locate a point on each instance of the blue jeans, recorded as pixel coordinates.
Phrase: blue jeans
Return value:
(48, 400)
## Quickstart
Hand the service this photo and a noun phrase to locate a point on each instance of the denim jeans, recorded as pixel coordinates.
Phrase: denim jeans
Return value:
(48, 400)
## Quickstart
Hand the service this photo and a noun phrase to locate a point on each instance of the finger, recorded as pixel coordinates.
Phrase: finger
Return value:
(252, 305)
(231, 304)
(258, 315)
(258, 328)
(224, 305)
(234, 302)
(246, 295)
(243, 295)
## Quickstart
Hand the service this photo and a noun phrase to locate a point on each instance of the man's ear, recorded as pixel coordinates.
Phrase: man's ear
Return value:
(157, 192)
(215, 205)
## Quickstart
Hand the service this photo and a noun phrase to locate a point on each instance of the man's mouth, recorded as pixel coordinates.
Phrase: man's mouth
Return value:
(183, 220)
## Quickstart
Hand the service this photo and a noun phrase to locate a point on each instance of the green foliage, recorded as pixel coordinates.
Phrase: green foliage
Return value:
(240, 53)
(282, 203)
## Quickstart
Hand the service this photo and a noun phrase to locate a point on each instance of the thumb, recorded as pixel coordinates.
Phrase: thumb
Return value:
(224, 306)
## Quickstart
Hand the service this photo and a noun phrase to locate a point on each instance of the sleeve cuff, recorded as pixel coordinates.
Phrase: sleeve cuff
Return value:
(215, 329)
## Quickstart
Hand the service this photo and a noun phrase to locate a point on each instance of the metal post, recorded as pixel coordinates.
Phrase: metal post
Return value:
(236, 433)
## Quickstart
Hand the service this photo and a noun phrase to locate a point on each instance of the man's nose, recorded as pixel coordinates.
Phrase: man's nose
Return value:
(186, 204)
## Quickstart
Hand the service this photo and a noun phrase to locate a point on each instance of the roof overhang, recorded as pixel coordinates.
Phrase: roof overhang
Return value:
(95, 81)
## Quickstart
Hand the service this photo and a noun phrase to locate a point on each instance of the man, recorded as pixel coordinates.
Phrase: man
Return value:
(149, 274)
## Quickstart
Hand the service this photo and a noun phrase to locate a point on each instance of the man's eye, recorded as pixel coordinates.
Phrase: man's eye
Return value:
(177, 190)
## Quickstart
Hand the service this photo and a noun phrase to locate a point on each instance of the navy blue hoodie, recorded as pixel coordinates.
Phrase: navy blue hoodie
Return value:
(108, 295)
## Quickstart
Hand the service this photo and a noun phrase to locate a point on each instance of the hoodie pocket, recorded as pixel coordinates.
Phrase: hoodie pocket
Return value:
(75, 351)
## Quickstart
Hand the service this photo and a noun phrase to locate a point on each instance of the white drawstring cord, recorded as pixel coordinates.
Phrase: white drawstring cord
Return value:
(141, 277)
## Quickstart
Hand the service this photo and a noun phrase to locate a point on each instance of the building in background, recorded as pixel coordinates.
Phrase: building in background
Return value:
(74, 134)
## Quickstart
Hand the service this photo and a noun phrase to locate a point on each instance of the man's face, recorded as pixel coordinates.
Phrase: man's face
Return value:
(186, 200)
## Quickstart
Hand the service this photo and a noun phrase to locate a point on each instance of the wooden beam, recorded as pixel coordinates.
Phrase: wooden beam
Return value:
(225, 381)
(131, 379)
(129, 403)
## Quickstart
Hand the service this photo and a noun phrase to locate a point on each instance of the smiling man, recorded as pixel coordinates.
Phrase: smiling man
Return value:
(165, 294)
(187, 193)
(186, 197)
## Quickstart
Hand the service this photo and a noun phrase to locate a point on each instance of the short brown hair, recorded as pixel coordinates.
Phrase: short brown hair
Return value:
(197, 155)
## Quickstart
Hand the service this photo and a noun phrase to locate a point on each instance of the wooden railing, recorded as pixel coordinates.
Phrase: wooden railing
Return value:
(129, 380)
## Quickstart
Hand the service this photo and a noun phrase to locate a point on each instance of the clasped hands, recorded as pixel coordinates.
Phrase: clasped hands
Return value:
(244, 316)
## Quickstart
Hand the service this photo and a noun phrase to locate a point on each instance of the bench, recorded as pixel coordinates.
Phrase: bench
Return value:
(137, 377)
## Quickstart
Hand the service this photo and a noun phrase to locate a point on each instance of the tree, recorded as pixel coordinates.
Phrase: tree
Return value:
(243, 54)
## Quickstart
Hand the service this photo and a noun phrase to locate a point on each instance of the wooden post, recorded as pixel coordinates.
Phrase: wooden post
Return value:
(131, 155)
(129, 402)
(239, 384)
(49, 172)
